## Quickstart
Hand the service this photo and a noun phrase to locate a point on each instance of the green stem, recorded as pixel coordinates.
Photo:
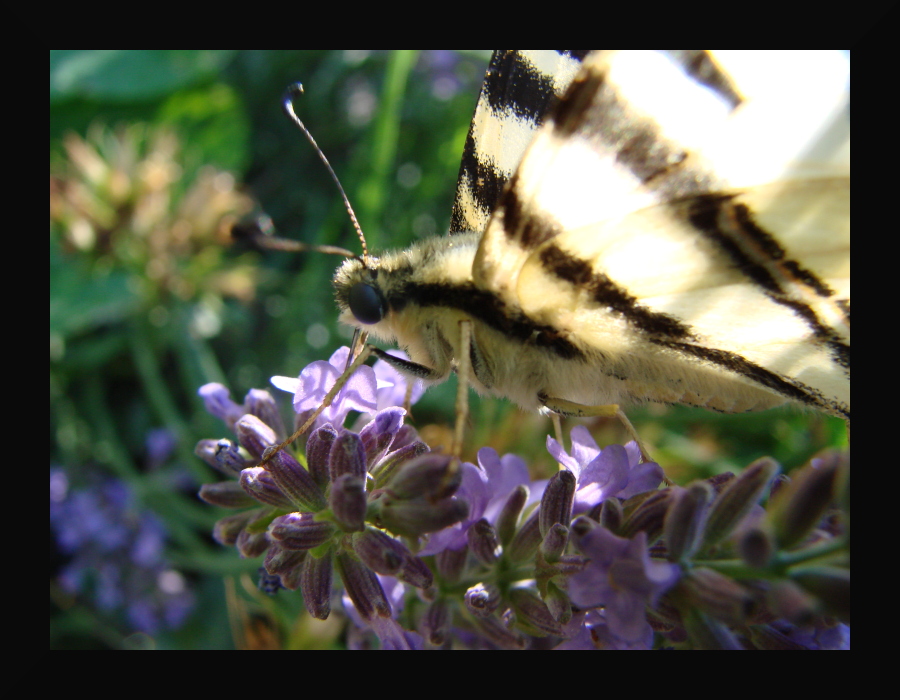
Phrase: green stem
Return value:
(832, 551)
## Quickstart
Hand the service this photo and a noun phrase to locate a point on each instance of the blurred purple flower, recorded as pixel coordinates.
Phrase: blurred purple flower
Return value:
(117, 554)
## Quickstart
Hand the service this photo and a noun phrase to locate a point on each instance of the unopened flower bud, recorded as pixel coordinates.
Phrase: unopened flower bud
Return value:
(790, 602)
(756, 547)
(258, 482)
(718, 595)
(707, 633)
(318, 447)
(436, 622)
(767, 638)
(684, 520)
(315, 584)
(554, 543)
(532, 612)
(566, 565)
(609, 514)
(254, 435)
(508, 518)
(526, 540)
(556, 503)
(498, 633)
(829, 584)
(286, 564)
(648, 517)
(482, 599)
(260, 403)
(450, 563)
(799, 507)
(379, 551)
(347, 457)
(406, 435)
(227, 529)
(227, 458)
(217, 400)
(388, 465)
(720, 481)
(226, 494)
(379, 433)
(483, 542)
(251, 544)
(736, 500)
(582, 525)
(300, 531)
(433, 475)
(558, 603)
(229, 465)
(418, 516)
(416, 573)
(296, 483)
(363, 587)
(348, 502)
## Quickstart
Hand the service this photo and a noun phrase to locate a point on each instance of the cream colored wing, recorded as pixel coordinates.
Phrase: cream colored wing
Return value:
(518, 89)
(694, 236)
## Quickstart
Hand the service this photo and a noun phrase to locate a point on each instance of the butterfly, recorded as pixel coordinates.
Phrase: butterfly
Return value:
(677, 231)
(634, 227)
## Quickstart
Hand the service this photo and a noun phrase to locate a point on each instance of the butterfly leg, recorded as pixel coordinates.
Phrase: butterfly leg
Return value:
(463, 372)
(570, 408)
(413, 369)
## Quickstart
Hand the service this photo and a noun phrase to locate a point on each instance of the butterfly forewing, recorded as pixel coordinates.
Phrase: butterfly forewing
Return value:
(686, 228)
(518, 90)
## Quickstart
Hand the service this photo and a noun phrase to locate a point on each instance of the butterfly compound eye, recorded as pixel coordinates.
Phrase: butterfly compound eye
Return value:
(366, 303)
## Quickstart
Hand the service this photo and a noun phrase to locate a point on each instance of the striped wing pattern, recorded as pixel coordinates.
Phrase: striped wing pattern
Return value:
(682, 219)
(518, 90)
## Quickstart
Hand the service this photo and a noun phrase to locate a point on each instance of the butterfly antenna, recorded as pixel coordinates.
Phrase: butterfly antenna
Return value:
(288, 104)
(259, 233)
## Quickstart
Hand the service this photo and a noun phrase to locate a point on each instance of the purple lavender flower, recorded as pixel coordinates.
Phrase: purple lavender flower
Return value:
(315, 381)
(621, 577)
(613, 471)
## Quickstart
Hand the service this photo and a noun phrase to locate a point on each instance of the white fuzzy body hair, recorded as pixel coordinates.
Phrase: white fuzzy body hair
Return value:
(524, 369)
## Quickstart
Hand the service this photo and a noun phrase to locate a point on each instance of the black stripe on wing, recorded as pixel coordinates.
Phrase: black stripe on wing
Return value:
(513, 88)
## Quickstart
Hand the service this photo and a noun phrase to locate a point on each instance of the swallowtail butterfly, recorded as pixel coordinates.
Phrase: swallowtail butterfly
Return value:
(643, 226)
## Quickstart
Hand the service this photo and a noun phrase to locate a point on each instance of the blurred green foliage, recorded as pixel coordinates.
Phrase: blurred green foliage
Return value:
(149, 299)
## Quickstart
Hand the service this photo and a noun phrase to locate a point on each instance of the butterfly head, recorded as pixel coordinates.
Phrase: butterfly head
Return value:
(359, 294)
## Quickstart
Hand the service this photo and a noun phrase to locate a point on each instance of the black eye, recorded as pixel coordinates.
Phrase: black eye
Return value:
(366, 303)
